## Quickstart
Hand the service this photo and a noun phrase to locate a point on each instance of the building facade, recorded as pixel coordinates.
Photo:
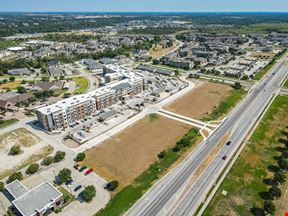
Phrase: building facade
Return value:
(68, 111)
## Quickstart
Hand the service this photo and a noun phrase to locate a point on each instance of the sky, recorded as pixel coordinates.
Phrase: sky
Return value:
(145, 5)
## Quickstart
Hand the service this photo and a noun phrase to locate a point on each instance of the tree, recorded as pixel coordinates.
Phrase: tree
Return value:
(88, 193)
(47, 161)
(162, 155)
(269, 207)
(66, 95)
(10, 212)
(1, 186)
(237, 85)
(111, 186)
(80, 156)
(15, 150)
(21, 89)
(11, 79)
(33, 168)
(275, 192)
(279, 177)
(283, 164)
(245, 77)
(176, 72)
(15, 176)
(156, 62)
(285, 154)
(59, 156)
(64, 175)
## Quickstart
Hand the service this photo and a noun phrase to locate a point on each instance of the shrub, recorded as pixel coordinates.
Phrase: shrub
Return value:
(269, 207)
(162, 155)
(80, 157)
(47, 161)
(275, 192)
(15, 176)
(88, 193)
(176, 148)
(15, 150)
(33, 168)
(1, 186)
(59, 156)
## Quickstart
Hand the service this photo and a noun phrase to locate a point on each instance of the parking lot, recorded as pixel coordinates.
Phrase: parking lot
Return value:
(77, 207)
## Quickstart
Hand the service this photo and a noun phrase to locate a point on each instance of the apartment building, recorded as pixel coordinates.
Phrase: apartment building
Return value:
(66, 112)
(70, 110)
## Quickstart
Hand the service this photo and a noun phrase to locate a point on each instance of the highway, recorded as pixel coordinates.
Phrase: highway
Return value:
(175, 194)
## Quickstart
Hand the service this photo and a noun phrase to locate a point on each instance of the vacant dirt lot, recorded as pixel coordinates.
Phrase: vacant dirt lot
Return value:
(21, 137)
(200, 101)
(126, 155)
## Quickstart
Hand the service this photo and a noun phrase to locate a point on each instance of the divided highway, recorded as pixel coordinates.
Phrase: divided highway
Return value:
(175, 194)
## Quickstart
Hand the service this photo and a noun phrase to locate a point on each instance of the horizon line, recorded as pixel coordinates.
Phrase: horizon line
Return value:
(143, 11)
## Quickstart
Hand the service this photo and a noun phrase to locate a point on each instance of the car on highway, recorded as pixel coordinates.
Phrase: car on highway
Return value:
(224, 157)
(78, 188)
(228, 143)
(88, 171)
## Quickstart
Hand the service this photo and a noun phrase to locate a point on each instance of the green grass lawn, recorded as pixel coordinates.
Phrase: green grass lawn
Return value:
(225, 106)
(7, 123)
(245, 180)
(286, 84)
(82, 84)
(68, 198)
(125, 198)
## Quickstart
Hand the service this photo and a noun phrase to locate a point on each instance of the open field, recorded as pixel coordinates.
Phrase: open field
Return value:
(244, 183)
(158, 51)
(21, 137)
(43, 152)
(81, 83)
(126, 197)
(201, 102)
(10, 85)
(125, 156)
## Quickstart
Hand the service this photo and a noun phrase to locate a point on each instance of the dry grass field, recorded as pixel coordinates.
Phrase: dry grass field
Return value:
(21, 137)
(158, 51)
(10, 85)
(199, 102)
(129, 153)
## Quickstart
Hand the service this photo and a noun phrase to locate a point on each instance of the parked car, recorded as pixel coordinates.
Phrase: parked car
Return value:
(228, 143)
(76, 166)
(82, 168)
(69, 181)
(88, 171)
(78, 188)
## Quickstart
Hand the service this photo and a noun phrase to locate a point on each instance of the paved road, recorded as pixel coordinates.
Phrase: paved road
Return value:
(175, 194)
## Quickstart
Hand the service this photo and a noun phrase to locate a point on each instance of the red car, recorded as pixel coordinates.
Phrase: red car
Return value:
(88, 171)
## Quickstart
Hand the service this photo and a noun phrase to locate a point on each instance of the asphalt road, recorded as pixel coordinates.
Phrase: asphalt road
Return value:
(175, 194)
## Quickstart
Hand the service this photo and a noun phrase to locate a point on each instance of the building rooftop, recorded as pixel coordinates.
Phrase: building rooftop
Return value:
(16, 189)
(36, 199)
